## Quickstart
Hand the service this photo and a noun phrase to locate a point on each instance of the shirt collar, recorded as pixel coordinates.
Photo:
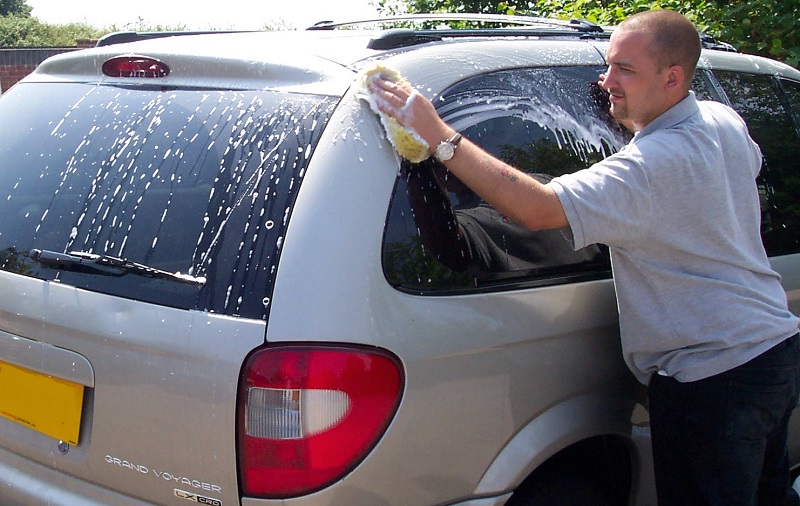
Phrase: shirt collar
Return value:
(676, 114)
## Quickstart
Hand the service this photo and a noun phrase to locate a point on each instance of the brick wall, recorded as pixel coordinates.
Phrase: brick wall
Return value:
(10, 74)
(16, 63)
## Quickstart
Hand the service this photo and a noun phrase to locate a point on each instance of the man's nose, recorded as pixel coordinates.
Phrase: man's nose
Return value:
(605, 80)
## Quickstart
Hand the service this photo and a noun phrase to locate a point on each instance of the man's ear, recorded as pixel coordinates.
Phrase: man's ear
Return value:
(675, 76)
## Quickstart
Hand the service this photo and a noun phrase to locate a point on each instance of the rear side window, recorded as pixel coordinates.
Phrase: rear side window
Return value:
(757, 99)
(442, 238)
(704, 86)
(193, 182)
(792, 91)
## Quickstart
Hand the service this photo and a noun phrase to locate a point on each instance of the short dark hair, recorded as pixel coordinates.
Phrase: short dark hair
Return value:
(675, 40)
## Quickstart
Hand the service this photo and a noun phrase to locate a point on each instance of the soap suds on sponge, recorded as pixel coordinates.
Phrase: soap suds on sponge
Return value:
(407, 142)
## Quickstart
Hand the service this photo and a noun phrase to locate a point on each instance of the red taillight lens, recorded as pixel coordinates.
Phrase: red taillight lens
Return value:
(309, 415)
(135, 66)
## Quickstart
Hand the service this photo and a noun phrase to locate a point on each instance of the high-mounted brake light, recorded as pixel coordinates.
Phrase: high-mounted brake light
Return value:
(135, 66)
(309, 415)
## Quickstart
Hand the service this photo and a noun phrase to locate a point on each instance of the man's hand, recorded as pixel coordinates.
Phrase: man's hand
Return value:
(410, 109)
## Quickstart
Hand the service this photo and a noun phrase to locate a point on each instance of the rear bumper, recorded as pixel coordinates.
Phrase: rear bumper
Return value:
(27, 483)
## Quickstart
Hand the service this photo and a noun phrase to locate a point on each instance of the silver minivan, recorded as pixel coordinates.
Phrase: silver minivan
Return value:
(220, 285)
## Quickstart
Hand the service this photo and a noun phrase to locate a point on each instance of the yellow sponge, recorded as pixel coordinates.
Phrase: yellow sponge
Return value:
(406, 141)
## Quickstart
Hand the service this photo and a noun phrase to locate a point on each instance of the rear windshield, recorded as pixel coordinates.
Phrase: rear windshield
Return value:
(199, 183)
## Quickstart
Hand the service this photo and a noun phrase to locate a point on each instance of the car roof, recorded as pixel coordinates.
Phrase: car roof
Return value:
(324, 58)
(293, 61)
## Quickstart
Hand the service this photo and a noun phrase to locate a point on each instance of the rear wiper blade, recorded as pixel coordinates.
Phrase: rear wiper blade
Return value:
(107, 265)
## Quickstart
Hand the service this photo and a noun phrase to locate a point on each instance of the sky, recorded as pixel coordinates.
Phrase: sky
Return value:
(199, 15)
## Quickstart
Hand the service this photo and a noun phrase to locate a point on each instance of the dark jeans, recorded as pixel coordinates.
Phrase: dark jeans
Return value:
(722, 440)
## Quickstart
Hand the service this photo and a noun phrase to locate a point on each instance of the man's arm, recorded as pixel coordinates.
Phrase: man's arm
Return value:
(512, 192)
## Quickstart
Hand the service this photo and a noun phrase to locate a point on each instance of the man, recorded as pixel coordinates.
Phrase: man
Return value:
(703, 318)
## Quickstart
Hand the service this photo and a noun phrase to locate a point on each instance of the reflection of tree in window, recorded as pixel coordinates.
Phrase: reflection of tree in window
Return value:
(467, 234)
(792, 91)
(407, 261)
(755, 98)
(546, 154)
(702, 85)
(11, 261)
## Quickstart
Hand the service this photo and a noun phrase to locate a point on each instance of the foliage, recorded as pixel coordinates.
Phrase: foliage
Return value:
(67, 35)
(279, 24)
(25, 31)
(761, 27)
(140, 25)
(18, 7)
(19, 29)
(460, 6)
(16, 30)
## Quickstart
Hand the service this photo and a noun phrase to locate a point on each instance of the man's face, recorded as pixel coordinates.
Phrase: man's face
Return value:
(634, 81)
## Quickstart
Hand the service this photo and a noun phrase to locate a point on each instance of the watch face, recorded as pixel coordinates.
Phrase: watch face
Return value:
(445, 151)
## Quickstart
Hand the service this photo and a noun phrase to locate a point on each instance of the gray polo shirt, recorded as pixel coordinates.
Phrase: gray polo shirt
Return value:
(679, 209)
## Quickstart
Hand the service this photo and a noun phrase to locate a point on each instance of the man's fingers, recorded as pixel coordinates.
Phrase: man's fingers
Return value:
(389, 97)
(390, 91)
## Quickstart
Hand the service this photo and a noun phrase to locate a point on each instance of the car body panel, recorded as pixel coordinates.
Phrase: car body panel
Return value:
(149, 364)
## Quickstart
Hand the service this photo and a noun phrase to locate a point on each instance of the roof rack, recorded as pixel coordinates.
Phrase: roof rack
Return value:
(574, 25)
(709, 42)
(509, 26)
(523, 26)
(123, 37)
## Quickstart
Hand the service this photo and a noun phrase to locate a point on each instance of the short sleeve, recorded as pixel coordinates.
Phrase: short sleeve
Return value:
(608, 203)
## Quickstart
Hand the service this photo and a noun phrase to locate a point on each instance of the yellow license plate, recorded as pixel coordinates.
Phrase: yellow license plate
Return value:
(43, 403)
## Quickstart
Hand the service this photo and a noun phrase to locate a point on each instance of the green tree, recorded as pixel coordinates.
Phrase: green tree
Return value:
(761, 27)
(18, 7)
(67, 35)
(460, 6)
(24, 31)
(17, 30)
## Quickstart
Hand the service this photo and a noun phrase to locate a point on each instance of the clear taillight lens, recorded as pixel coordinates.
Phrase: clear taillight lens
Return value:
(309, 415)
(284, 413)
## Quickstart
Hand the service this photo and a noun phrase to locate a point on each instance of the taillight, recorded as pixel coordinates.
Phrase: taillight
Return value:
(309, 415)
(135, 66)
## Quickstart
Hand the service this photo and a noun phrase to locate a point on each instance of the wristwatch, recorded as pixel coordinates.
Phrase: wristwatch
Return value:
(447, 148)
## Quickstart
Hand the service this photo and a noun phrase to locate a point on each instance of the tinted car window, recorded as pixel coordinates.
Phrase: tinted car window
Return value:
(756, 99)
(703, 85)
(792, 90)
(441, 237)
(196, 182)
